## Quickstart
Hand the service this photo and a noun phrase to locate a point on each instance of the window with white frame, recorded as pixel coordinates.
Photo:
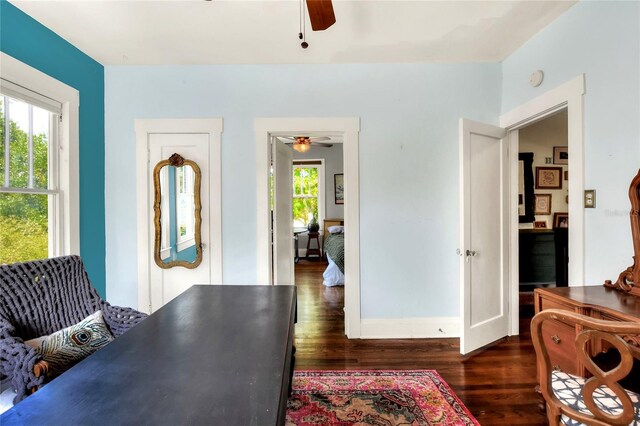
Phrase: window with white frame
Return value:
(308, 192)
(30, 204)
(22, 85)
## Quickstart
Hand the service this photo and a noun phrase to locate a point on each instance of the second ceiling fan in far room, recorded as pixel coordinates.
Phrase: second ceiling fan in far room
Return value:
(303, 143)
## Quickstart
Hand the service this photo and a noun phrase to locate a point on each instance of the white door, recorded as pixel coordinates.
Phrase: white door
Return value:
(165, 284)
(484, 190)
(282, 162)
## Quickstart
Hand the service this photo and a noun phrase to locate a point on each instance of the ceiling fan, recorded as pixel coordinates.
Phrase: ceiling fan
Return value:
(303, 143)
(320, 14)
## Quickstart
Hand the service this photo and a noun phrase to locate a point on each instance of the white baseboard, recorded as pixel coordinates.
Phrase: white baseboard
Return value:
(407, 328)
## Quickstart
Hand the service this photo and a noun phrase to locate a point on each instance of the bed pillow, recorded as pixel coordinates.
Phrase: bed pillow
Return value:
(66, 347)
(336, 229)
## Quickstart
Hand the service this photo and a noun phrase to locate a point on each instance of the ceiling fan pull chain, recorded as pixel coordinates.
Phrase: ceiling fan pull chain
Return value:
(301, 34)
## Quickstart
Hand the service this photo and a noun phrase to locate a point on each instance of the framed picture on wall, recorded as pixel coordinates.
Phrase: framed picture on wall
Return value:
(542, 204)
(561, 220)
(338, 183)
(540, 224)
(548, 177)
(560, 155)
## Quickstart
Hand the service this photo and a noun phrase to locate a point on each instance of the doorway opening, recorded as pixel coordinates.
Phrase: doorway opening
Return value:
(543, 207)
(502, 302)
(307, 201)
(568, 97)
(275, 230)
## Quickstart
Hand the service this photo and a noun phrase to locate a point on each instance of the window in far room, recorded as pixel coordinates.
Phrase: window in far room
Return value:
(308, 192)
(30, 206)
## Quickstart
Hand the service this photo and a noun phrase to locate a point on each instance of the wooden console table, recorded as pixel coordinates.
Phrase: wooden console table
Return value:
(216, 354)
(594, 301)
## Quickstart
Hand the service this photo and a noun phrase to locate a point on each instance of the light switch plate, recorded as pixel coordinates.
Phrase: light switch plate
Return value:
(589, 198)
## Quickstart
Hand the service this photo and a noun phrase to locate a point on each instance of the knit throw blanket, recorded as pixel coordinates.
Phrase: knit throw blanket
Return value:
(334, 247)
(40, 297)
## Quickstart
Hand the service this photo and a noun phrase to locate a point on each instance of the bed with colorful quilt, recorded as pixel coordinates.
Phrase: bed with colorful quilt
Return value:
(334, 249)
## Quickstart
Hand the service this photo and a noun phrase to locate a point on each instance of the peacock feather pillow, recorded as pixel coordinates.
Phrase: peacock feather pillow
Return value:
(66, 347)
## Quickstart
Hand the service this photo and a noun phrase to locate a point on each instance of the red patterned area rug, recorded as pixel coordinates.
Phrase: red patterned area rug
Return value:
(374, 397)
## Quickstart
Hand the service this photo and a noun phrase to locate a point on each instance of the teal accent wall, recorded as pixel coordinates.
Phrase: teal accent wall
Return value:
(27, 40)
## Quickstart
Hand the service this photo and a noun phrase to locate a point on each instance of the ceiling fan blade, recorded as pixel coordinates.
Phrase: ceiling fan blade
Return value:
(319, 138)
(321, 14)
(324, 145)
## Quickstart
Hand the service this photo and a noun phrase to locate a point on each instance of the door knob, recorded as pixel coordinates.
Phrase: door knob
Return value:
(470, 253)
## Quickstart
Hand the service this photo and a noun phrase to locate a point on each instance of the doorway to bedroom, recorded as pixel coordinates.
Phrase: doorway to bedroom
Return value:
(318, 206)
(317, 216)
(275, 140)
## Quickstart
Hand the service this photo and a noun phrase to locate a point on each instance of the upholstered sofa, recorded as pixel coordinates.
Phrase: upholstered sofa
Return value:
(41, 297)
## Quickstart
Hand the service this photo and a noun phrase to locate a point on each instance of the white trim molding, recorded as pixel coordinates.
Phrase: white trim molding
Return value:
(349, 129)
(144, 127)
(21, 74)
(569, 96)
(410, 328)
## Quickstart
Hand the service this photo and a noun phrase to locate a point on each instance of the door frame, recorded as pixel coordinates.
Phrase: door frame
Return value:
(349, 129)
(569, 96)
(144, 127)
(281, 160)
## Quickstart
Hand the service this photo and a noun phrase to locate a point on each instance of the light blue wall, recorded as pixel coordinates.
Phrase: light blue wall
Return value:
(601, 40)
(408, 163)
(32, 43)
(408, 149)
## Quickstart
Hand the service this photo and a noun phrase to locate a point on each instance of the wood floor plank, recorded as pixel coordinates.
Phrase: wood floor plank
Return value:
(496, 384)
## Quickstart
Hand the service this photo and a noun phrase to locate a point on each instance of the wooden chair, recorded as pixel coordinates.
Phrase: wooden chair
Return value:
(598, 400)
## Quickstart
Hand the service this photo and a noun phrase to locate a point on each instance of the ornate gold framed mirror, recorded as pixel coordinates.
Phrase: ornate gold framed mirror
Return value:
(177, 216)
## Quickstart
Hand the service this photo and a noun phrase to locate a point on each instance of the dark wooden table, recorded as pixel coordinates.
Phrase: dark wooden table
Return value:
(214, 355)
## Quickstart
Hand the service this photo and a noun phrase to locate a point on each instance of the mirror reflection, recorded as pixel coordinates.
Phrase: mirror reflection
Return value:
(525, 187)
(177, 206)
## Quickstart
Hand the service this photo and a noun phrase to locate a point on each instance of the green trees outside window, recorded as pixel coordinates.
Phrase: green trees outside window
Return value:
(24, 217)
(305, 195)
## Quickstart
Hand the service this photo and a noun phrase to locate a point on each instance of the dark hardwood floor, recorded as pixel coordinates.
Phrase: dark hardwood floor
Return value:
(496, 384)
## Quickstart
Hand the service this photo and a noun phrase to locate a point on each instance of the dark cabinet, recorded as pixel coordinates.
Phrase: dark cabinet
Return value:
(543, 257)
(561, 237)
(537, 257)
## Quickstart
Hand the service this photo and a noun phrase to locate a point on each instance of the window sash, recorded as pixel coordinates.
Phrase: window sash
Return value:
(312, 164)
(307, 188)
(16, 91)
(52, 155)
(54, 205)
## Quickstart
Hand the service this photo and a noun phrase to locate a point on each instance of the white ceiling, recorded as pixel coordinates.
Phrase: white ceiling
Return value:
(214, 32)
